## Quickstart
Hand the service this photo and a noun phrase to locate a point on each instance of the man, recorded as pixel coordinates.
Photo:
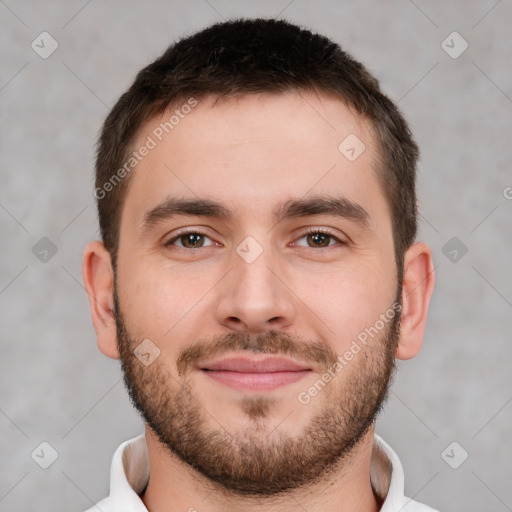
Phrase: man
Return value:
(258, 274)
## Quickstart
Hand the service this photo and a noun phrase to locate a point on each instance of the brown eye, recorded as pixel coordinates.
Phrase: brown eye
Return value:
(190, 240)
(319, 239)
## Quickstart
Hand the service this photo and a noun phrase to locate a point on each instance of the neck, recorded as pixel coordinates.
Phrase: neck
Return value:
(346, 488)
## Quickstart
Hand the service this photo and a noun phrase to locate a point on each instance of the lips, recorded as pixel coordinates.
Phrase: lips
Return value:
(256, 373)
(255, 365)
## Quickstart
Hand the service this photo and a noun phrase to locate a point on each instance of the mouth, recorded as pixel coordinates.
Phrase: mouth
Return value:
(258, 373)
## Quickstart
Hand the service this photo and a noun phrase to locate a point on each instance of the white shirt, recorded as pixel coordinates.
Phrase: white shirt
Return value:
(129, 476)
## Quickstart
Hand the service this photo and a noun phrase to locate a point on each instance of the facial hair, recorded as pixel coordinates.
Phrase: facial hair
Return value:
(250, 461)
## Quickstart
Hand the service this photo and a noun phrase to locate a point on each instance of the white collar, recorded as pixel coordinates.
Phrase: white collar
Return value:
(129, 476)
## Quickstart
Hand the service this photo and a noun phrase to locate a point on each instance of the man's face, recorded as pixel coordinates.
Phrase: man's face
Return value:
(251, 309)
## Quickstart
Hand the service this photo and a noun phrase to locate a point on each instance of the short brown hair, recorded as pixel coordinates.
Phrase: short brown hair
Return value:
(248, 56)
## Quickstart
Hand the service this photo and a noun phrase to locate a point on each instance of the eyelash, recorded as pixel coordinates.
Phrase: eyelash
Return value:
(310, 231)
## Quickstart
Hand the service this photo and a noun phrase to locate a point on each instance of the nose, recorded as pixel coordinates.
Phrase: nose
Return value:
(254, 296)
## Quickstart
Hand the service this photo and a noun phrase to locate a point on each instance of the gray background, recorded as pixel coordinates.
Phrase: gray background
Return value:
(57, 387)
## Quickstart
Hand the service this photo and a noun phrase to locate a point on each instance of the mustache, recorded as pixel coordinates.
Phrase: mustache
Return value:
(269, 342)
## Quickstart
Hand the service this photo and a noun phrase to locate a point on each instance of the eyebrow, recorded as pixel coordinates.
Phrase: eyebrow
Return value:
(293, 208)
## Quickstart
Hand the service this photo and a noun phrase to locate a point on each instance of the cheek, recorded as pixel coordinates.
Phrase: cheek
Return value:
(159, 301)
(347, 302)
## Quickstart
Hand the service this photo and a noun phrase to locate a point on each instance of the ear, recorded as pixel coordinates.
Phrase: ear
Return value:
(417, 290)
(98, 277)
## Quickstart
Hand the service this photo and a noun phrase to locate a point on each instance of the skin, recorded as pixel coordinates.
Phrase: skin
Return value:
(252, 154)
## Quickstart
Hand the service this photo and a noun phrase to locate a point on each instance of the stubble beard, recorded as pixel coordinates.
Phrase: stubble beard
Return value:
(260, 461)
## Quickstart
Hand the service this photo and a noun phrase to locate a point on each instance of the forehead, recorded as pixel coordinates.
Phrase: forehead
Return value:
(254, 152)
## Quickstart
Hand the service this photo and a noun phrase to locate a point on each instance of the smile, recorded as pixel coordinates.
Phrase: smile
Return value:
(257, 374)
